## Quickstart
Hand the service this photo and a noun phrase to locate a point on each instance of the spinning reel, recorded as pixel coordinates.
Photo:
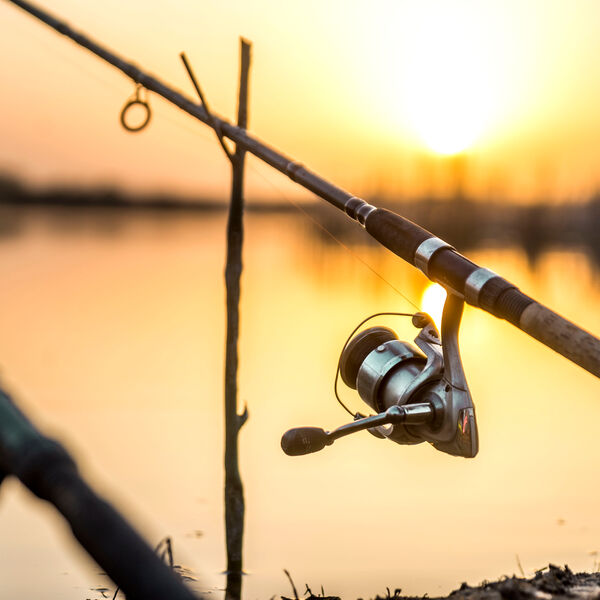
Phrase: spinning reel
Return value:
(420, 396)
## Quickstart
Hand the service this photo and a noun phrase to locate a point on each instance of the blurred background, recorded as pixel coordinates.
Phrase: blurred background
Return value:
(477, 120)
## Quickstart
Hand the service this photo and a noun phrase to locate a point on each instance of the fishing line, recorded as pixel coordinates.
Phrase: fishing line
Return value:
(358, 415)
(332, 236)
(364, 263)
(317, 223)
(113, 86)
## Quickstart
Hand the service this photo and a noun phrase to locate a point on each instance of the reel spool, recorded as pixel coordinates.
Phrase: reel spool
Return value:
(420, 393)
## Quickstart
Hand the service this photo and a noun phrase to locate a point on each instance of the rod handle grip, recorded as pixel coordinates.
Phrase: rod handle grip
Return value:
(562, 336)
(396, 233)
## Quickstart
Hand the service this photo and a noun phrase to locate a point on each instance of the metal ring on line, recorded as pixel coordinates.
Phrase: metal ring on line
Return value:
(145, 122)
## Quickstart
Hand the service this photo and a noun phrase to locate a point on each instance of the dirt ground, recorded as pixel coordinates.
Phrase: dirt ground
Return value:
(550, 583)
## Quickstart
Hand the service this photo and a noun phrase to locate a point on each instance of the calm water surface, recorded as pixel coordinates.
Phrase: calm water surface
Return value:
(111, 336)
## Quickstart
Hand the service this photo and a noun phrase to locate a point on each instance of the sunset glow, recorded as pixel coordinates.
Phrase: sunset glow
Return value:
(429, 123)
(451, 87)
(362, 93)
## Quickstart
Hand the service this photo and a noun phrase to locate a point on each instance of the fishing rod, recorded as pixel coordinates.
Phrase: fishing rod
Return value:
(435, 373)
(49, 471)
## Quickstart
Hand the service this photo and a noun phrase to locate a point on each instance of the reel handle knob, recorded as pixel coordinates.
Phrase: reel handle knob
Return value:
(304, 440)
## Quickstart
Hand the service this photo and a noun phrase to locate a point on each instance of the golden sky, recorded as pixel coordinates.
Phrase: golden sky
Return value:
(373, 95)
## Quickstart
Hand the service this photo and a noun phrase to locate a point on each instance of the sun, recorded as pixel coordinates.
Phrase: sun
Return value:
(448, 80)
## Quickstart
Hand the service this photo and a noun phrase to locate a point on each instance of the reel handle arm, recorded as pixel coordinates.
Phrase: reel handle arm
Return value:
(409, 414)
(306, 440)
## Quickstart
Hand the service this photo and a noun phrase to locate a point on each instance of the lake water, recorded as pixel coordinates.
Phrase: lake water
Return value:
(111, 337)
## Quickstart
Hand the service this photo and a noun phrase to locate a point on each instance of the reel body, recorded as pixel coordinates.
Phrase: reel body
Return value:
(420, 393)
(388, 372)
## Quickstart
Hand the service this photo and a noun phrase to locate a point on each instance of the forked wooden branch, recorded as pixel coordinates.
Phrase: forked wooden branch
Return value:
(234, 491)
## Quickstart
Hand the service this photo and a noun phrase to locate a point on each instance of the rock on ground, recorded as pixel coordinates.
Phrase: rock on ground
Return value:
(551, 583)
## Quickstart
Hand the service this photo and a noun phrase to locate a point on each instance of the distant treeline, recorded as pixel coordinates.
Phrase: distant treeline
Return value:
(14, 192)
(472, 223)
(465, 223)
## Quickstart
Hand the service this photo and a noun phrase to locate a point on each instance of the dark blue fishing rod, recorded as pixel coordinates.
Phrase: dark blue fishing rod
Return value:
(45, 467)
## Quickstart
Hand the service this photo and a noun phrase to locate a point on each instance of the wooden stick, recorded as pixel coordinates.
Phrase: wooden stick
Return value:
(214, 123)
(234, 491)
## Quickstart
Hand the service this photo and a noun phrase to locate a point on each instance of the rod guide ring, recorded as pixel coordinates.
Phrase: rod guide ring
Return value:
(136, 101)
